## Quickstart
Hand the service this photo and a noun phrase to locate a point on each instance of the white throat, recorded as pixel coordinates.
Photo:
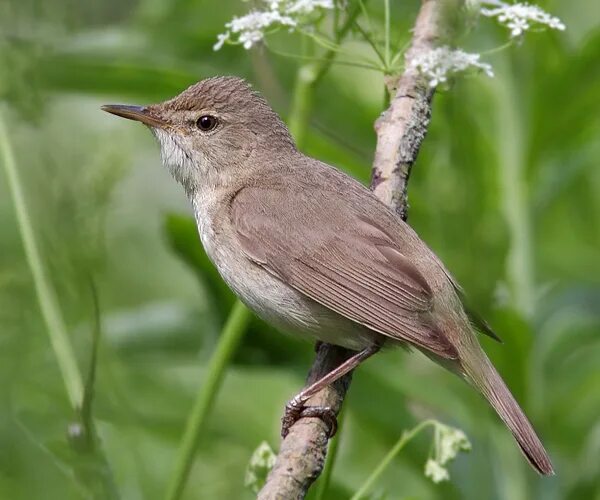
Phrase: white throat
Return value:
(177, 160)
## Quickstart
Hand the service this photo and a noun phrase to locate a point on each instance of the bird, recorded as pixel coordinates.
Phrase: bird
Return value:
(312, 251)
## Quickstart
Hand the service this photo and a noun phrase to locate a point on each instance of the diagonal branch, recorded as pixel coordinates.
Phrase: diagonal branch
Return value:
(402, 128)
(400, 132)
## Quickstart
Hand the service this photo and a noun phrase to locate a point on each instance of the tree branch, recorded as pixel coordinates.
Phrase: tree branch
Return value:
(402, 128)
(400, 132)
(302, 453)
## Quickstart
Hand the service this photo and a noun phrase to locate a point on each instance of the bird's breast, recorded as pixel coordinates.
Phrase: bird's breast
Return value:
(269, 297)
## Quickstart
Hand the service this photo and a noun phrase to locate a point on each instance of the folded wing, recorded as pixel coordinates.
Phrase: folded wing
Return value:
(339, 257)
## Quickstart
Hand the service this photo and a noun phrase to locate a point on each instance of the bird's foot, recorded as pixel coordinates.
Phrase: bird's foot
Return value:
(295, 410)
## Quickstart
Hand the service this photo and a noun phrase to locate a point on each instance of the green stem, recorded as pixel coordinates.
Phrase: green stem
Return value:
(229, 340)
(365, 13)
(92, 469)
(404, 439)
(500, 48)
(307, 77)
(373, 45)
(302, 101)
(55, 325)
(366, 65)
(386, 4)
(90, 383)
(339, 36)
(514, 198)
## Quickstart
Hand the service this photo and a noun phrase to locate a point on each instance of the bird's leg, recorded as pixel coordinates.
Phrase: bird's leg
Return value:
(295, 409)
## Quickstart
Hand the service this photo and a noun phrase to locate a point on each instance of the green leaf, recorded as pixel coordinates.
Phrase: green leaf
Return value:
(261, 463)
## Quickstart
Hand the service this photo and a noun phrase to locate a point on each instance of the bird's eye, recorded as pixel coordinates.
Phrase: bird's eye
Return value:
(206, 123)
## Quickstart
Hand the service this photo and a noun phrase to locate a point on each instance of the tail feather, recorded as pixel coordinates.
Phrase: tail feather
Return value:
(488, 381)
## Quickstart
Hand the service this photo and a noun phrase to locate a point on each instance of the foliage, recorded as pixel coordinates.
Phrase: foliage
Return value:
(261, 463)
(506, 191)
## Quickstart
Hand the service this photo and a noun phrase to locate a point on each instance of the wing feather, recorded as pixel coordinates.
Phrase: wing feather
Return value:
(335, 257)
(386, 288)
(357, 303)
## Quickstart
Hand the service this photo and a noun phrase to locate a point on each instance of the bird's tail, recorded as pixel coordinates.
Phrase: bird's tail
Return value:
(484, 376)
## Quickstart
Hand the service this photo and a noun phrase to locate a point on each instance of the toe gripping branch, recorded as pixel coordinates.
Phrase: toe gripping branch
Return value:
(296, 408)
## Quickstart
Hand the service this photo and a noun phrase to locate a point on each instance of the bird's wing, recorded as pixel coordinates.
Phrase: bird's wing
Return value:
(338, 257)
(477, 322)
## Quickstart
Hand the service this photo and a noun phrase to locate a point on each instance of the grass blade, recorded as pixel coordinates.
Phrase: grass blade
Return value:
(61, 345)
(387, 460)
(228, 342)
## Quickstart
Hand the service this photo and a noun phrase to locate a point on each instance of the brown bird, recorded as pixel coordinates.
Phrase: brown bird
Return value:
(311, 250)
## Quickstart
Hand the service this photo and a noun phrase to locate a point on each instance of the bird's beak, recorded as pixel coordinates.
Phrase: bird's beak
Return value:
(138, 113)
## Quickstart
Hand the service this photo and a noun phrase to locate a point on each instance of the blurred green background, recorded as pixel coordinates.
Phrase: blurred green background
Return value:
(506, 190)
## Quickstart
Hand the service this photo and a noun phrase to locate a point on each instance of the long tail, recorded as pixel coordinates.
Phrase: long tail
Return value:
(485, 377)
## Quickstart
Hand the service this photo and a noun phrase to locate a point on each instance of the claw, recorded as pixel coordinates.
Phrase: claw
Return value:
(295, 410)
(326, 414)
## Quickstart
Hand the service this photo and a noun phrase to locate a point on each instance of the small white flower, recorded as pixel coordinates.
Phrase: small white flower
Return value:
(258, 21)
(519, 17)
(436, 472)
(451, 441)
(517, 25)
(249, 38)
(221, 39)
(305, 7)
(251, 28)
(437, 64)
(473, 5)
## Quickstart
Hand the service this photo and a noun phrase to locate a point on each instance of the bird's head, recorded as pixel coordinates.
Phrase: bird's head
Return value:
(207, 132)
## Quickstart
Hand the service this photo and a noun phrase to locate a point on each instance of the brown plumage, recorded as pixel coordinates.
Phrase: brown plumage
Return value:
(310, 249)
(354, 266)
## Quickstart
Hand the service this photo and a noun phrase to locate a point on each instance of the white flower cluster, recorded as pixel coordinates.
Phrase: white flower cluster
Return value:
(261, 463)
(436, 472)
(519, 17)
(449, 442)
(250, 29)
(301, 7)
(437, 64)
